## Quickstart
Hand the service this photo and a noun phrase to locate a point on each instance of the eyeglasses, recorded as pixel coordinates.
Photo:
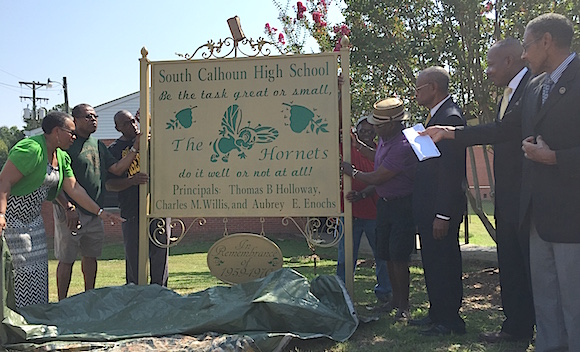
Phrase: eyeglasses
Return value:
(129, 122)
(70, 132)
(422, 86)
(91, 116)
(366, 131)
(527, 45)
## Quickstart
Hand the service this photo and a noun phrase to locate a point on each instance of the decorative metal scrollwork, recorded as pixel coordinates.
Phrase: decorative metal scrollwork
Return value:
(225, 47)
(160, 228)
(317, 233)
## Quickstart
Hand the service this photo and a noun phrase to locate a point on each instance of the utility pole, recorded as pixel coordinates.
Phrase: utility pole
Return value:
(33, 85)
(64, 86)
(65, 95)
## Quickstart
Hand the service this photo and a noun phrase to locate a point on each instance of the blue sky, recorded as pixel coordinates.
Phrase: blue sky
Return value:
(97, 44)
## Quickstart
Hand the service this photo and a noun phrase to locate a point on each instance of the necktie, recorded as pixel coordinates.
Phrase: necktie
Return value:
(546, 87)
(428, 119)
(505, 100)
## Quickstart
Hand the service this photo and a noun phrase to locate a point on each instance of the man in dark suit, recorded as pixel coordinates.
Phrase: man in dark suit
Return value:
(550, 197)
(505, 68)
(438, 206)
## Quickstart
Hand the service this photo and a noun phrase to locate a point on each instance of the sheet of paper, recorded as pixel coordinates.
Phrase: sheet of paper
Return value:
(423, 146)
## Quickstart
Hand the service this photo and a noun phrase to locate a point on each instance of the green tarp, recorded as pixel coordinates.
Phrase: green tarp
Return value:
(267, 310)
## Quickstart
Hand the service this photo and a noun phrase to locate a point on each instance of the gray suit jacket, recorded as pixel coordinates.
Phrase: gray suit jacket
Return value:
(551, 193)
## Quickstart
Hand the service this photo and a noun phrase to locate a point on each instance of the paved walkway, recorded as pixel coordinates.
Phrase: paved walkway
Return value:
(468, 252)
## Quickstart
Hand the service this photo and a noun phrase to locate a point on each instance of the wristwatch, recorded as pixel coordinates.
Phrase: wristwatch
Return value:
(133, 150)
(363, 195)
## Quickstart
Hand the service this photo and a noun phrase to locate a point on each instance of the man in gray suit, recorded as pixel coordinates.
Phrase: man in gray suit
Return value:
(550, 196)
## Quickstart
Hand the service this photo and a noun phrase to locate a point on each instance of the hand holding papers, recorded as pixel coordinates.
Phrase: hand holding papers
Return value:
(423, 146)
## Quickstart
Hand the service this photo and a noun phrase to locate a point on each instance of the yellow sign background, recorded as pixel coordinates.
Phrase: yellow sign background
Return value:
(245, 137)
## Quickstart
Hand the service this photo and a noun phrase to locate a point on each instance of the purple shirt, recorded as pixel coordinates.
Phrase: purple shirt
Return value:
(396, 155)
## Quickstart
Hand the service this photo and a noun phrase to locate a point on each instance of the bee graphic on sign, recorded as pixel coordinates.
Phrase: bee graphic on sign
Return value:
(234, 138)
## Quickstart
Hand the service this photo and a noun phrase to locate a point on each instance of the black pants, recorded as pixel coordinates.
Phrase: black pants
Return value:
(513, 255)
(158, 257)
(443, 269)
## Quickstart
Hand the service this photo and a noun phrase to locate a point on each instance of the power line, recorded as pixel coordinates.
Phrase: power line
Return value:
(8, 73)
(9, 85)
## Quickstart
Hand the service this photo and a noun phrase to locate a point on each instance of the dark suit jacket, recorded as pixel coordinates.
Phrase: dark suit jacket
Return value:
(439, 182)
(551, 193)
(505, 134)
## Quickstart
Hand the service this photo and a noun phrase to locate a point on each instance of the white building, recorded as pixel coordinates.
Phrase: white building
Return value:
(106, 111)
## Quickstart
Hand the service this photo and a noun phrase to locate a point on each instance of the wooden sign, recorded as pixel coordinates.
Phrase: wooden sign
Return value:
(245, 137)
(243, 257)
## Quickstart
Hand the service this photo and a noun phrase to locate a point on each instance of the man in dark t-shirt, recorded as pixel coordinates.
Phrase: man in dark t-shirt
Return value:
(76, 229)
(128, 187)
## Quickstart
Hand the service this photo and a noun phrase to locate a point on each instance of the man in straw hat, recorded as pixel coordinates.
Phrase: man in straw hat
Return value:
(392, 177)
(364, 212)
(438, 206)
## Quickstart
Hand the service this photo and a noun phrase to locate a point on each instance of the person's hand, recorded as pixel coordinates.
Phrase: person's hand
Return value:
(353, 139)
(537, 150)
(438, 133)
(139, 178)
(111, 218)
(353, 196)
(137, 142)
(346, 168)
(440, 228)
(72, 218)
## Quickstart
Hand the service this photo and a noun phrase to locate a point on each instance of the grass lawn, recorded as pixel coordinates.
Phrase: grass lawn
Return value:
(188, 273)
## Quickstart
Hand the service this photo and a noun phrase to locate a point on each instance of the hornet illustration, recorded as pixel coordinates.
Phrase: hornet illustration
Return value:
(240, 139)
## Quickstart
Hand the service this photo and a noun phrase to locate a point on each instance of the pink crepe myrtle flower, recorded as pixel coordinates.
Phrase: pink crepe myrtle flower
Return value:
(281, 38)
(300, 9)
(317, 17)
(488, 6)
(342, 29)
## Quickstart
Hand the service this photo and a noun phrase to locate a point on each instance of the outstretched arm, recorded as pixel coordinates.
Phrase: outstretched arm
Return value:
(79, 195)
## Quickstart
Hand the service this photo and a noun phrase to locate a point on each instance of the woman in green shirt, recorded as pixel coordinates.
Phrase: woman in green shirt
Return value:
(37, 170)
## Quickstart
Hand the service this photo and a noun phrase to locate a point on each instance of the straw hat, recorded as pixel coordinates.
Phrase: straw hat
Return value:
(388, 110)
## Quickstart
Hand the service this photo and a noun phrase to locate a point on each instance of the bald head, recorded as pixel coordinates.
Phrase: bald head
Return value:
(120, 115)
(509, 47)
(437, 75)
(504, 61)
(126, 124)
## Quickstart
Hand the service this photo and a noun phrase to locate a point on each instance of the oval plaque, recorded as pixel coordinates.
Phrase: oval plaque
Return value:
(243, 257)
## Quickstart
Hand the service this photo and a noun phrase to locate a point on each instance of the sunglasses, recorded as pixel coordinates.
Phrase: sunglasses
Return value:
(366, 131)
(91, 116)
(70, 132)
(129, 122)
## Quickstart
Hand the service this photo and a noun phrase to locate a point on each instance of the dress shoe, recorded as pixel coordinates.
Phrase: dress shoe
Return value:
(500, 336)
(440, 330)
(421, 322)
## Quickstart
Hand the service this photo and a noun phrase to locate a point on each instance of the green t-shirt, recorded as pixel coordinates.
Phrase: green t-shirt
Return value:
(90, 161)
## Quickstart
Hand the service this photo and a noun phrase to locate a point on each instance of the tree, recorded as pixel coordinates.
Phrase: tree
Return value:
(8, 137)
(58, 107)
(392, 40)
